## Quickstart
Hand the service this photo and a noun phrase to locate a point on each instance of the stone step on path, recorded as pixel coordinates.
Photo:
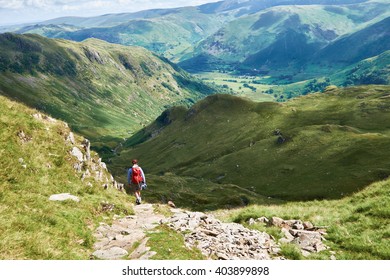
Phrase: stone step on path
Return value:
(116, 241)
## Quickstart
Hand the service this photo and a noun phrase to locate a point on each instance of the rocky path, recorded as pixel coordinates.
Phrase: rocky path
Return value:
(126, 237)
(119, 240)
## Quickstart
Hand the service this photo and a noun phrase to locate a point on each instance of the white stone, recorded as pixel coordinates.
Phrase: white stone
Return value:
(77, 153)
(71, 138)
(63, 196)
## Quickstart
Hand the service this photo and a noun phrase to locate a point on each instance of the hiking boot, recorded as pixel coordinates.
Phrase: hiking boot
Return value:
(137, 201)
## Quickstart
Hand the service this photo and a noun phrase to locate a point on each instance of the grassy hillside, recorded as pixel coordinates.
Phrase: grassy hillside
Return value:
(314, 147)
(35, 163)
(374, 70)
(357, 226)
(103, 91)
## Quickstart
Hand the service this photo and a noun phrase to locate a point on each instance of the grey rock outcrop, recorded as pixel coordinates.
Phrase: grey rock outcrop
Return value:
(304, 234)
(227, 241)
(90, 165)
(87, 148)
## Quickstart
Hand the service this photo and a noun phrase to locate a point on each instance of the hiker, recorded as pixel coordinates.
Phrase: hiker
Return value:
(136, 180)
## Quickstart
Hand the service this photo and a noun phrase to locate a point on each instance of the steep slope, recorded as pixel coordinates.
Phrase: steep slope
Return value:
(102, 90)
(35, 163)
(362, 44)
(373, 70)
(318, 146)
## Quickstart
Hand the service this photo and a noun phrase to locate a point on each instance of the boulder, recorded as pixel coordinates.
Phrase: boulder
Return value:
(308, 225)
(276, 221)
(310, 241)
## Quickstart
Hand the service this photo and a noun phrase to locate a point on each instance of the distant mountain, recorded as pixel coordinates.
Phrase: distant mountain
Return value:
(170, 32)
(294, 151)
(300, 40)
(289, 36)
(48, 30)
(102, 90)
(110, 20)
(172, 35)
(244, 7)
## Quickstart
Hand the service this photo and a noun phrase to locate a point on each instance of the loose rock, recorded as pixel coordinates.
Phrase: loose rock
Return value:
(226, 241)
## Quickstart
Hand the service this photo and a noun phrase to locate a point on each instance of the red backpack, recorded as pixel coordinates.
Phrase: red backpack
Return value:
(136, 175)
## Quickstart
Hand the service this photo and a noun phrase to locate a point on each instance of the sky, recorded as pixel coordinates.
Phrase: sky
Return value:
(29, 11)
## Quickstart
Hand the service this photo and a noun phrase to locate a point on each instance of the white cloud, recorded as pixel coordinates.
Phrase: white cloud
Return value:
(85, 5)
(13, 4)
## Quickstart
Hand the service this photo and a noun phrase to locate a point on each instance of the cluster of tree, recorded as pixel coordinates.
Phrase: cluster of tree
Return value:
(249, 86)
(316, 86)
(378, 77)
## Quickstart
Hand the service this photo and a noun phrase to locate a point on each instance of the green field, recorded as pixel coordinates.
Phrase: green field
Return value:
(240, 85)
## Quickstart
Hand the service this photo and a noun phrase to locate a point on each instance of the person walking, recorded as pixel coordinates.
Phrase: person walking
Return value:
(136, 180)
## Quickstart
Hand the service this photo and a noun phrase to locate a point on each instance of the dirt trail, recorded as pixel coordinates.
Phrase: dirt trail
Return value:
(119, 240)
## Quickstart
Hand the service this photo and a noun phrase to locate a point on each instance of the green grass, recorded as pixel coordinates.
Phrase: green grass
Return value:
(235, 84)
(291, 251)
(32, 226)
(169, 245)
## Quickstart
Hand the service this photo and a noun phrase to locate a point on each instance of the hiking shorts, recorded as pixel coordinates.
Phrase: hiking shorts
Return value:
(135, 187)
